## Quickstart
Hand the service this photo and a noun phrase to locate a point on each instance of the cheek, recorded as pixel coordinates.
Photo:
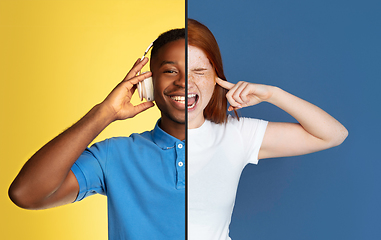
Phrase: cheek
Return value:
(157, 89)
(160, 83)
(206, 87)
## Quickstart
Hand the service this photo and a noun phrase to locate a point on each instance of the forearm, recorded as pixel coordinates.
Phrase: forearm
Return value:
(47, 169)
(312, 118)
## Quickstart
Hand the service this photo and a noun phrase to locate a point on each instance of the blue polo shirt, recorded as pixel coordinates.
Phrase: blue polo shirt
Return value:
(143, 177)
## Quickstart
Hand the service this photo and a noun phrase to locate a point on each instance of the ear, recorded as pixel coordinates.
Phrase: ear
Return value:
(216, 79)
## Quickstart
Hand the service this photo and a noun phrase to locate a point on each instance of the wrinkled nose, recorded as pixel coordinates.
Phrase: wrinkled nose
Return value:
(190, 81)
(190, 78)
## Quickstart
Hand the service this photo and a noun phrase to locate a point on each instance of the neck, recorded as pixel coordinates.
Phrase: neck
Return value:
(196, 123)
(173, 128)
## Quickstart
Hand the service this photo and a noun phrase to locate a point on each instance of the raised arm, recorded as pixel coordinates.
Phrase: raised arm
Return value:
(316, 130)
(46, 179)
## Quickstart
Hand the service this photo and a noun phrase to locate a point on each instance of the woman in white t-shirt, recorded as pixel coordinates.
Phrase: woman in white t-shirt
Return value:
(219, 146)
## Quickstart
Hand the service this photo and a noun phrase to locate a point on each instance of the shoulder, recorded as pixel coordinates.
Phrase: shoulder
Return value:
(123, 141)
(244, 121)
(233, 129)
(244, 124)
(250, 130)
(144, 136)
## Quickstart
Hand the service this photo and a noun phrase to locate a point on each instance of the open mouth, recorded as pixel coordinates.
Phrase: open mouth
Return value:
(192, 100)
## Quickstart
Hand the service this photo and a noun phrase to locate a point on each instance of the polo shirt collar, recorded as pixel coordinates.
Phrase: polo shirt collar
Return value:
(163, 139)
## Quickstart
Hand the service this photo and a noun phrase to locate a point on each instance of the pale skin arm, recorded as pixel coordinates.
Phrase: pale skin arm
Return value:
(316, 130)
(46, 179)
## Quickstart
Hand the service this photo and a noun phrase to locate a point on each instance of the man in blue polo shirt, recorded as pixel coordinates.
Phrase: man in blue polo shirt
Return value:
(142, 175)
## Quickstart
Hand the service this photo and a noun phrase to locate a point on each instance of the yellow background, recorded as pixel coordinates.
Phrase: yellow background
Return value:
(57, 60)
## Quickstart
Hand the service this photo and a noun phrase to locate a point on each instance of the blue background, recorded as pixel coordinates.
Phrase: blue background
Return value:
(327, 52)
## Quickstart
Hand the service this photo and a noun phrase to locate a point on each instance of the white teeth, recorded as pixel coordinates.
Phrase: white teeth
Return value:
(178, 98)
(181, 99)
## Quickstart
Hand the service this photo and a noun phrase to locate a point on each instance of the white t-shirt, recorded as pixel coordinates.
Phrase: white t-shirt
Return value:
(217, 154)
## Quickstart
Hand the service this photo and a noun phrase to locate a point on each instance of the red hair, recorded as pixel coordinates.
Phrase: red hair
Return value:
(201, 37)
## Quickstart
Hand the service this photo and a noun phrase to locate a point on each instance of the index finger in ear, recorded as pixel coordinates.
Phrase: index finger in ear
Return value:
(225, 84)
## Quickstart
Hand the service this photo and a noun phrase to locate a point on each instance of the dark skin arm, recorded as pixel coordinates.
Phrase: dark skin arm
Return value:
(46, 180)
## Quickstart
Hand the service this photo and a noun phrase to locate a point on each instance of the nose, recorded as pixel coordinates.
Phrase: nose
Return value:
(190, 81)
(190, 78)
(180, 81)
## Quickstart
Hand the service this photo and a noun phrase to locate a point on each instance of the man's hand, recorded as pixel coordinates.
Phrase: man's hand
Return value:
(118, 102)
(46, 179)
(244, 94)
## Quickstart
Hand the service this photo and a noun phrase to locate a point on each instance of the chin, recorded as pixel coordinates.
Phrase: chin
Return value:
(176, 119)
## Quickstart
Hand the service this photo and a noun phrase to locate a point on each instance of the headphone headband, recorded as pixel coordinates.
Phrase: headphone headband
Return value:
(145, 53)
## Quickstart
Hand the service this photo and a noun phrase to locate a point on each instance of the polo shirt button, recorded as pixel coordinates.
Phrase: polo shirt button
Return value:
(180, 145)
(180, 164)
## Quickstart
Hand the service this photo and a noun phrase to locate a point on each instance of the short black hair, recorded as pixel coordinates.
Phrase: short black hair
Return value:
(167, 37)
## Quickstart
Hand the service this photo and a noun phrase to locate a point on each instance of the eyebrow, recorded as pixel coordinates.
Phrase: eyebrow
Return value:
(167, 62)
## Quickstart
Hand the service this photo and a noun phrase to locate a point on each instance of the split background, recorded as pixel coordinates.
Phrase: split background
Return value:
(60, 58)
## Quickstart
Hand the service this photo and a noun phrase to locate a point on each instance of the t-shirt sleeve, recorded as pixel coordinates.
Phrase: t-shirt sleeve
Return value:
(89, 170)
(252, 132)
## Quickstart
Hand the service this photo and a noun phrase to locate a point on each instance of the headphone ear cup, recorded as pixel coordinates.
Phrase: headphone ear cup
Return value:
(140, 90)
(148, 89)
(145, 89)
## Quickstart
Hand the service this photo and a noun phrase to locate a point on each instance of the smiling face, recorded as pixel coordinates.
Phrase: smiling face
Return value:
(201, 82)
(168, 74)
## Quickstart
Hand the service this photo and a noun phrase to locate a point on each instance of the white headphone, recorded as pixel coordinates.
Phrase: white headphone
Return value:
(145, 87)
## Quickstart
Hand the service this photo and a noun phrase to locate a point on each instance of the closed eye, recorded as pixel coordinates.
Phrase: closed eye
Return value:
(199, 71)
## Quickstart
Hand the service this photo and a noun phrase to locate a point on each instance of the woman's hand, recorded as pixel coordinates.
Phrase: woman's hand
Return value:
(118, 102)
(244, 94)
(316, 130)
